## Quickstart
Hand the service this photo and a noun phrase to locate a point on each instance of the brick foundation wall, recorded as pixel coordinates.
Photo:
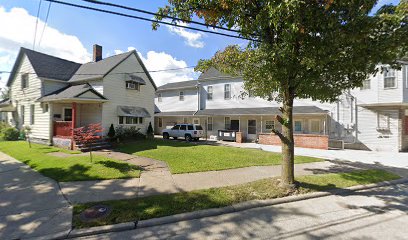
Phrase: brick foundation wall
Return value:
(301, 140)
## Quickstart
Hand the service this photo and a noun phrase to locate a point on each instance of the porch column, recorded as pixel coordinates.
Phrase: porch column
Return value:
(73, 122)
(261, 124)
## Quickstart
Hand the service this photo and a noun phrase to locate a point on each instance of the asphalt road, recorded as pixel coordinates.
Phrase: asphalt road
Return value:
(380, 213)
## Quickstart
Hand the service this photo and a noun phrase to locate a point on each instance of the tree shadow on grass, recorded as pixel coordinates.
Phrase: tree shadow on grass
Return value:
(75, 172)
(122, 167)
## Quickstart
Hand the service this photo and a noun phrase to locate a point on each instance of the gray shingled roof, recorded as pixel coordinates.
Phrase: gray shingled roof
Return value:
(5, 102)
(99, 69)
(46, 66)
(70, 93)
(212, 73)
(178, 85)
(175, 113)
(258, 111)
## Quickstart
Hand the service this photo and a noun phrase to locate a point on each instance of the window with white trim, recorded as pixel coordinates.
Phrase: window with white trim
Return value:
(227, 122)
(315, 126)
(210, 124)
(181, 96)
(298, 126)
(185, 120)
(132, 85)
(24, 81)
(159, 97)
(209, 92)
(269, 125)
(160, 122)
(383, 121)
(227, 91)
(127, 120)
(22, 114)
(389, 78)
(366, 84)
(67, 114)
(32, 109)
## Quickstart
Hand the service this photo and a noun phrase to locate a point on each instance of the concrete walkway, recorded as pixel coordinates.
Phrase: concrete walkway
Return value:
(156, 178)
(30, 204)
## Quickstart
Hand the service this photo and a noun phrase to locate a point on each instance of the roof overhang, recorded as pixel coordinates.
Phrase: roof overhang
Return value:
(394, 105)
(77, 100)
(177, 88)
(7, 106)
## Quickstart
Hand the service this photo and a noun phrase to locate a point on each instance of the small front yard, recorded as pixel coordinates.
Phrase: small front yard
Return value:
(165, 205)
(77, 167)
(183, 157)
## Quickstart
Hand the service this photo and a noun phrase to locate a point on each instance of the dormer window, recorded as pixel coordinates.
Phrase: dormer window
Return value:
(132, 85)
(24, 81)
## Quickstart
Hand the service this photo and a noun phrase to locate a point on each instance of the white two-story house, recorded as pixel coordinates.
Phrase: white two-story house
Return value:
(52, 95)
(370, 118)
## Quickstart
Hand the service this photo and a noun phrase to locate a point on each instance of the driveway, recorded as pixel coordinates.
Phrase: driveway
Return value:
(30, 204)
(390, 159)
(377, 213)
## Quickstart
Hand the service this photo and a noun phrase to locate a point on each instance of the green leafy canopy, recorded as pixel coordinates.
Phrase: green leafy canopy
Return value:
(303, 48)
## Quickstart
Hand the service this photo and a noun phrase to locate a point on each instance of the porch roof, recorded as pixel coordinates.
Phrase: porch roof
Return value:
(259, 111)
(175, 113)
(78, 93)
(130, 111)
(6, 106)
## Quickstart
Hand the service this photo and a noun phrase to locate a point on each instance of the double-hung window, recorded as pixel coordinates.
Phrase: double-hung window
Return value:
(227, 121)
(269, 125)
(227, 91)
(24, 81)
(209, 93)
(366, 84)
(130, 120)
(22, 113)
(181, 96)
(298, 126)
(383, 121)
(159, 97)
(315, 126)
(389, 78)
(32, 109)
(210, 124)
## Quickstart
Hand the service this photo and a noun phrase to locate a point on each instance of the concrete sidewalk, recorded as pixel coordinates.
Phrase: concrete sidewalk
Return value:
(156, 178)
(30, 204)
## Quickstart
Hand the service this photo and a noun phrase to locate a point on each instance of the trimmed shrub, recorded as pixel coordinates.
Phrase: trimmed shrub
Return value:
(150, 133)
(129, 133)
(10, 134)
(111, 133)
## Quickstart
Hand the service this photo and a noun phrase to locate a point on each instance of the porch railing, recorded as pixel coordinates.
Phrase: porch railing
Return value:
(62, 128)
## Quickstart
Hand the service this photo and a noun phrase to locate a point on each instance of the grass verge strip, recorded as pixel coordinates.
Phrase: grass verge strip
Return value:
(165, 205)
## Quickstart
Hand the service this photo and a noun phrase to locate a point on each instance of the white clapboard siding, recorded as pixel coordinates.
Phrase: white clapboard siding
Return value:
(114, 89)
(171, 100)
(27, 97)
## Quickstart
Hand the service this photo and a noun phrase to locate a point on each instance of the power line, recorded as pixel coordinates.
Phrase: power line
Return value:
(160, 15)
(150, 20)
(45, 24)
(98, 74)
(36, 23)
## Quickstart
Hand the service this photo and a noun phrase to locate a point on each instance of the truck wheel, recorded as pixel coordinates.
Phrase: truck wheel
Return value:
(175, 138)
(196, 139)
(166, 136)
(188, 138)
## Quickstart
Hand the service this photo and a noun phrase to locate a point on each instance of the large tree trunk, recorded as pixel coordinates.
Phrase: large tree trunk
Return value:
(288, 144)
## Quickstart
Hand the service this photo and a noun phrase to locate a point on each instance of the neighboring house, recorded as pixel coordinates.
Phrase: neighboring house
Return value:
(371, 118)
(52, 95)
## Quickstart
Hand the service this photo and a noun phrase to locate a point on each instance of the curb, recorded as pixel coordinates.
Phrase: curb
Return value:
(223, 210)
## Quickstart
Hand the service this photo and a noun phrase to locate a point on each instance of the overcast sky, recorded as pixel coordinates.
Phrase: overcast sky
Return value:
(71, 32)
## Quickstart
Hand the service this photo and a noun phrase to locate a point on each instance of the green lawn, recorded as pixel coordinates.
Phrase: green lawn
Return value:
(183, 157)
(63, 169)
(165, 205)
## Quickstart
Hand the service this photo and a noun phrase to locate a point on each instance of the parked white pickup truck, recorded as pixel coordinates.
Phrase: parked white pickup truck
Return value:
(187, 131)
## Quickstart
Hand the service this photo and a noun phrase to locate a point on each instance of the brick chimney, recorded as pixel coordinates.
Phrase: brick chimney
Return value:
(97, 52)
